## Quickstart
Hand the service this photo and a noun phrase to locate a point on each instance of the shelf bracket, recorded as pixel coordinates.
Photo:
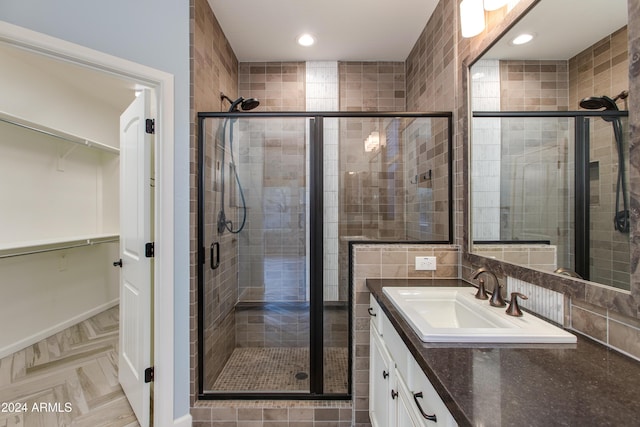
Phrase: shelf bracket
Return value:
(62, 156)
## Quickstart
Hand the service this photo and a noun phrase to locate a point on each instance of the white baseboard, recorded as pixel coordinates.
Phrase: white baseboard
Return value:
(183, 421)
(32, 339)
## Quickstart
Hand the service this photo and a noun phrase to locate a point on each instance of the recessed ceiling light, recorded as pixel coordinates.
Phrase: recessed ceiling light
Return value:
(306, 40)
(522, 39)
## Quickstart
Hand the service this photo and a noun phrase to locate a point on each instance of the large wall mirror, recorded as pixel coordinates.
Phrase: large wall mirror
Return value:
(549, 156)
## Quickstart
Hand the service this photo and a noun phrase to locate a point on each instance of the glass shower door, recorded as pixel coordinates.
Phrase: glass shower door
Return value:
(256, 278)
(281, 195)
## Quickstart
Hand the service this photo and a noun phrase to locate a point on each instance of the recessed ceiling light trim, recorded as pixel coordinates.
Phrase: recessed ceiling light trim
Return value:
(522, 39)
(306, 40)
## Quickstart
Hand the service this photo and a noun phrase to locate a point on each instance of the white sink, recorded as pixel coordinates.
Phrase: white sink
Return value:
(443, 314)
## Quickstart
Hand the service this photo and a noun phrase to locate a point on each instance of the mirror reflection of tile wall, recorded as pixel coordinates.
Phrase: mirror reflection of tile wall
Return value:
(603, 69)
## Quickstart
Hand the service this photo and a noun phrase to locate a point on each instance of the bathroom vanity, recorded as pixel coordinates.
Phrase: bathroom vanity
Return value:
(413, 383)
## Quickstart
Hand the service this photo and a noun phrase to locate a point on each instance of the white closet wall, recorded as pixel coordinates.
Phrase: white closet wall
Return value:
(47, 93)
(59, 197)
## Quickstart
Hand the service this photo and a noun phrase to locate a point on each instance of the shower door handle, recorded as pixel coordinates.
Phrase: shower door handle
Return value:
(215, 255)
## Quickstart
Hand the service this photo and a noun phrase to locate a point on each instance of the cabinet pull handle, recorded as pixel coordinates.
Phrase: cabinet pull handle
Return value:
(385, 374)
(394, 394)
(371, 313)
(425, 415)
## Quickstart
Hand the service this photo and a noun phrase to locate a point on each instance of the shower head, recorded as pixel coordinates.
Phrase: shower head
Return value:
(244, 104)
(249, 104)
(598, 102)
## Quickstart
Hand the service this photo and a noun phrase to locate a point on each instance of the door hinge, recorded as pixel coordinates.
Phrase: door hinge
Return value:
(150, 126)
(148, 375)
(149, 249)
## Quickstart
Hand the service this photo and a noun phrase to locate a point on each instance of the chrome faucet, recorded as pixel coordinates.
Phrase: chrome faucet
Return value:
(496, 297)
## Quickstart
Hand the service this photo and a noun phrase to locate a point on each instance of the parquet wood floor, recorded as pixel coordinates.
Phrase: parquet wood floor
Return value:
(69, 379)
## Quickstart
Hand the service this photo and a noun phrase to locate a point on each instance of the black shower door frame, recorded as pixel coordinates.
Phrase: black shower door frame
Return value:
(316, 264)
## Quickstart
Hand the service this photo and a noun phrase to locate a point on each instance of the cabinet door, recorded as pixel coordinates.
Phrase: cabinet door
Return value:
(404, 405)
(380, 383)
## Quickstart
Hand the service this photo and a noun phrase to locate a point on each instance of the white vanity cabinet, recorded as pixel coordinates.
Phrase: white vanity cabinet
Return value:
(400, 395)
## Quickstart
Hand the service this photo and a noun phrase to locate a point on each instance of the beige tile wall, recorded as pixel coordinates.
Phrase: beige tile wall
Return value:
(542, 257)
(372, 86)
(214, 69)
(534, 85)
(280, 86)
(431, 86)
(603, 69)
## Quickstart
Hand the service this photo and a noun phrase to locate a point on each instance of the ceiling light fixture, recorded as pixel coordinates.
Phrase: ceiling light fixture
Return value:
(494, 4)
(372, 143)
(306, 40)
(522, 39)
(471, 17)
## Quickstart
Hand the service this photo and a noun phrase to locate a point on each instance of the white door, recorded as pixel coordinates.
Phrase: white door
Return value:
(135, 277)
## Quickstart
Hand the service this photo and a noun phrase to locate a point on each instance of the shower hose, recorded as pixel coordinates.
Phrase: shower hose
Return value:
(223, 223)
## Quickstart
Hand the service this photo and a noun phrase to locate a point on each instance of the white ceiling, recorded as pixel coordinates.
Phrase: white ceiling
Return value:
(346, 30)
(387, 30)
(109, 89)
(562, 28)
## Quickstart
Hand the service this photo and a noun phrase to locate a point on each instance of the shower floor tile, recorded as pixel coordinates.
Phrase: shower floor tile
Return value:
(280, 369)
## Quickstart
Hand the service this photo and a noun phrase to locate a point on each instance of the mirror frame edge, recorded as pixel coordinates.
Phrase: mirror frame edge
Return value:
(626, 303)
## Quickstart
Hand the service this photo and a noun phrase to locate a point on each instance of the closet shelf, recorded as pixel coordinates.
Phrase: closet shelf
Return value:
(18, 121)
(8, 250)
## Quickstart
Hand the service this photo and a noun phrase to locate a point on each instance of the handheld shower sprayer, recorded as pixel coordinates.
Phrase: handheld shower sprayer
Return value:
(599, 102)
(621, 216)
(244, 105)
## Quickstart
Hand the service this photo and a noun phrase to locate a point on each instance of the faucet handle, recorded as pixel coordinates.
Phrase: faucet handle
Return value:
(482, 292)
(514, 308)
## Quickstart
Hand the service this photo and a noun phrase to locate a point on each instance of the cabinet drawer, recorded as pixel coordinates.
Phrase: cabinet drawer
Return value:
(430, 401)
(376, 314)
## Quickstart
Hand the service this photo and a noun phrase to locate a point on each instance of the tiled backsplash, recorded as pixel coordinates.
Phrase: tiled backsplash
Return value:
(542, 257)
(608, 327)
(547, 303)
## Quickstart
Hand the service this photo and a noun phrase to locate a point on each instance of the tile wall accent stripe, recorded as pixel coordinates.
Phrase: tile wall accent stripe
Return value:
(545, 302)
(322, 84)
(485, 160)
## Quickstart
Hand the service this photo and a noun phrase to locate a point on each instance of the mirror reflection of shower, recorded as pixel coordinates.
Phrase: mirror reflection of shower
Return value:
(621, 217)
(235, 106)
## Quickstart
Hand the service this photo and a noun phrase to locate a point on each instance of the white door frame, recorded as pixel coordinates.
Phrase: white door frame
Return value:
(162, 83)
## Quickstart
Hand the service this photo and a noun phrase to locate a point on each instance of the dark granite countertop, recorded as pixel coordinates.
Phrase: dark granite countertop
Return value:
(582, 384)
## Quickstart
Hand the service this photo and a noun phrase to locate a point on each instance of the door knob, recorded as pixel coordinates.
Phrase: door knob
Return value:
(118, 263)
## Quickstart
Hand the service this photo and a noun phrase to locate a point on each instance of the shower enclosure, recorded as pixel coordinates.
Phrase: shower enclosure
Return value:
(561, 183)
(280, 196)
